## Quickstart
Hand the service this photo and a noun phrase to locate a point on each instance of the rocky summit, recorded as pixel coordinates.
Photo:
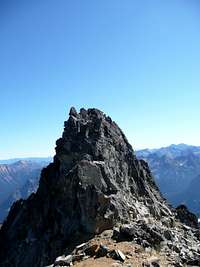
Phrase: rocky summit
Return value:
(94, 184)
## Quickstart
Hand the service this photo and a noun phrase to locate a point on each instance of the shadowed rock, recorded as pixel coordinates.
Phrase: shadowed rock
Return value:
(186, 217)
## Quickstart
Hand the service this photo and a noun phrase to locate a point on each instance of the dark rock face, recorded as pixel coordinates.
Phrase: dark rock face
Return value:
(186, 217)
(94, 182)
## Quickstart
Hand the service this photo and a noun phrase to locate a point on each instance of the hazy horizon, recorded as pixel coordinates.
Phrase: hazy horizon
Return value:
(52, 155)
(137, 61)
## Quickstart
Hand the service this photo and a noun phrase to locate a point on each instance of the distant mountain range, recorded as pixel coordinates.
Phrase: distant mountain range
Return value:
(18, 179)
(30, 159)
(190, 196)
(176, 169)
(172, 151)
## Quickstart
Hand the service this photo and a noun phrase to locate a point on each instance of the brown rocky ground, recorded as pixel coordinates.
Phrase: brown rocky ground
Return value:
(136, 256)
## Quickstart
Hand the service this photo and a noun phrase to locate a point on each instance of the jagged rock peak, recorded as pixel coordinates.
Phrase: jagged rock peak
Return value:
(94, 183)
(73, 112)
(89, 134)
(89, 114)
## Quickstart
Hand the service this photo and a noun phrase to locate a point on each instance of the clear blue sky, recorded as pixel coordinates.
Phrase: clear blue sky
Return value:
(138, 61)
